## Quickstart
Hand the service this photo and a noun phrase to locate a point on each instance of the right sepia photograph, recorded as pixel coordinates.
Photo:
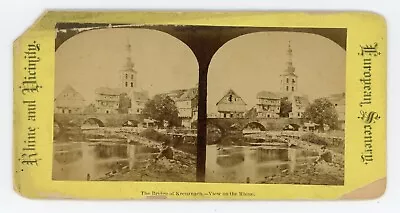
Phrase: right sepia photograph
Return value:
(276, 110)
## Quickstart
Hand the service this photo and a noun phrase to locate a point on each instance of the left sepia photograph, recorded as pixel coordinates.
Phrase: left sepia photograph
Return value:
(125, 105)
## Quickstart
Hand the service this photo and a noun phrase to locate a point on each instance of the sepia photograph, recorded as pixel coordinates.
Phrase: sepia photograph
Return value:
(276, 110)
(199, 103)
(125, 106)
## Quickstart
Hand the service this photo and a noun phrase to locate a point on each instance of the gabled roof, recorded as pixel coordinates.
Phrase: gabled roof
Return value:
(107, 91)
(69, 97)
(337, 98)
(70, 90)
(231, 92)
(267, 95)
(136, 95)
(189, 94)
(174, 94)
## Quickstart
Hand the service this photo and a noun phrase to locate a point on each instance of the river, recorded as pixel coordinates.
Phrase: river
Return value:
(251, 164)
(92, 161)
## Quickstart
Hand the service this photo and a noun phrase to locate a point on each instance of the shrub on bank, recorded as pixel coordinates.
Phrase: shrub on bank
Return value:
(152, 134)
(313, 138)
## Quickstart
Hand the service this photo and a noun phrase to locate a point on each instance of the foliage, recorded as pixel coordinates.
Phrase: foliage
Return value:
(90, 109)
(313, 138)
(152, 134)
(162, 109)
(285, 108)
(124, 103)
(321, 112)
(252, 113)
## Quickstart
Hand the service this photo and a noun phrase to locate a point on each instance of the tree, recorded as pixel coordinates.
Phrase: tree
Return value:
(285, 108)
(90, 109)
(162, 109)
(322, 112)
(124, 103)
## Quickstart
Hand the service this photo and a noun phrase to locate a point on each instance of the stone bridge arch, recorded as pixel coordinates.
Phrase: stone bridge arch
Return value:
(93, 120)
(255, 124)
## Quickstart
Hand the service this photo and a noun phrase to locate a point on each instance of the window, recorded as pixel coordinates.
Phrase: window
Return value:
(126, 76)
(224, 115)
(287, 88)
(298, 114)
(131, 84)
(268, 116)
(230, 98)
(292, 89)
(69, 111)
(107, 111)
(293, 81)
(132, 77)
(287, 80)
(126, 84)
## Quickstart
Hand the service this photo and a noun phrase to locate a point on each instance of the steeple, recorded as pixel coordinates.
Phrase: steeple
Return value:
(290, 69)
(288, 77)
(128, 72)
(129, 66)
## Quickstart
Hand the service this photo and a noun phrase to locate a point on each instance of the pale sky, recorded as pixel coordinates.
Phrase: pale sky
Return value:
(247, 64)
(253, 62)
(94, 59)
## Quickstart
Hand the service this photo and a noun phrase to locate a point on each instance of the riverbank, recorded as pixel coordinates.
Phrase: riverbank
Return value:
(181, 169)
(320, 174)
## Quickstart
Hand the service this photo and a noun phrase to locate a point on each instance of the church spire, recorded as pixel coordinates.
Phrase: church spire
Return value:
(290, 68)
(290, 55)
(129, 66)
(288, 77)
(128, 73)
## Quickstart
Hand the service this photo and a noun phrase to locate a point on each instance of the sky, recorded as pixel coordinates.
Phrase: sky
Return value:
(247, 64)
(252, 63)
(94, 59)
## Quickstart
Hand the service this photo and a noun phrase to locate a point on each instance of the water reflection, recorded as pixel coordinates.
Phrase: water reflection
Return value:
(252, 164)
(83, 160)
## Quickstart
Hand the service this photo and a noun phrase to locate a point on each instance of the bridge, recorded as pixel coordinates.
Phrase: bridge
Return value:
(64, 121)
(227, 125)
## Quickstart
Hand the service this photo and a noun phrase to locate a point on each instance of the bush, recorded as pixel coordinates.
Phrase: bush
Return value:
(313, 138)
(152, 134)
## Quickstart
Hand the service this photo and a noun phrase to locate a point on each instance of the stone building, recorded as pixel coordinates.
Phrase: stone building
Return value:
(106, 100)
(268, 105)
(187, 107)
(299, 105)
(231, 105)
(109, 100)
(69, 101)
(339, 101)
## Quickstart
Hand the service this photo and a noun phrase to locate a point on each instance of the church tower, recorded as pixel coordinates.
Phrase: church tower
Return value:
(288, 77)
(128, 72)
